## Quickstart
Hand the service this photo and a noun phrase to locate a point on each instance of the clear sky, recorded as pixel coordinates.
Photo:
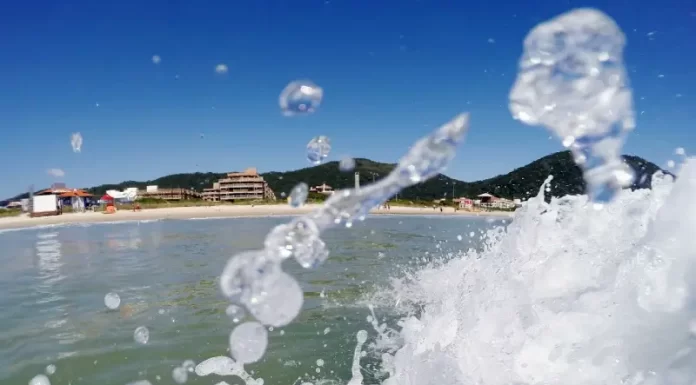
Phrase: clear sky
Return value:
(391, 71)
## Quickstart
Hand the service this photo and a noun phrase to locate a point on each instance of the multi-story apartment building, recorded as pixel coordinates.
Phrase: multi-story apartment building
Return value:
(245, 185)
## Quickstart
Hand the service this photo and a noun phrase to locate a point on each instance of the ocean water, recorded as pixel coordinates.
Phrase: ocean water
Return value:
(54, 281)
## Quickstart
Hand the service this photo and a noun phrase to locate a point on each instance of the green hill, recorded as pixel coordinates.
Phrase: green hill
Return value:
(522, 182)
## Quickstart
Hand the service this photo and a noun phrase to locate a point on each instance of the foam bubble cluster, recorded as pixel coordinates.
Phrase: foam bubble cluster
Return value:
(572, 80)
(256, 279)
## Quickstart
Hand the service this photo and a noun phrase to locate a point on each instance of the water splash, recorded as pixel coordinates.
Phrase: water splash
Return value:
(572, 80)
(356, 374)
(256, 280)
(564, 295)
(225, 366)
(40, 379)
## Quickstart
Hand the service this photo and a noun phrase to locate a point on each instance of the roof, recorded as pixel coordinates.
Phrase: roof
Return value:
(75, 193)
(62, 191)
(251, 171)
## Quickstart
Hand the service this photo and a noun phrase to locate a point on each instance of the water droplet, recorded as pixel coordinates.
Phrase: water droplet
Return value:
(568, 141)
(362, 336)
(670, 164)
(189, 366)
(298, 195)
(235, 312)
(156, 59)
(318, 149)
(346, 164)
(221, 69)
(680, 151)
(275, 299)
(380, 255)
(248, 342)
(282, 194)
(327, 331)
(180, 375)
(112, 301)
(40, 379)
(575, 61)
(320, 362)
(459, 237)
(300, 97)
(76, 142)
(141, 335)
(50, 369)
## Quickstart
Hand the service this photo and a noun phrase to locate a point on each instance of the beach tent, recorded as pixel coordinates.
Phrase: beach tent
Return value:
(106, 197)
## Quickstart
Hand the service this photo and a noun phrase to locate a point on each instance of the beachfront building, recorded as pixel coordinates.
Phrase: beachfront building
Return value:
(465, 203)
(77, 198)
(169, 194)
(490, 201)
(239, 186)
(322, 189)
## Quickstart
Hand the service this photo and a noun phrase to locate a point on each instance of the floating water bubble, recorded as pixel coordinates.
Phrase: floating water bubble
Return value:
(40, 379)
(248, 342)
(327, 331)
(320, 362)
(156, 59)
(179, 375)
(574, 63)
(50, 369)
(459, 237)
(680, 151)
(346, 164)
(76, 142)
(318, 149)
(141, 335)
(300, 97)
(299, 194)
(112, 301)
(380, 255)
(671, 164)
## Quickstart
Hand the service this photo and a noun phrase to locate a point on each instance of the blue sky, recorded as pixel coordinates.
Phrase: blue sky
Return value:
(391, 71)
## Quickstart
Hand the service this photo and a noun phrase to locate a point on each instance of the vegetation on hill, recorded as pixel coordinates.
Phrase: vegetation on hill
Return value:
(522, 182)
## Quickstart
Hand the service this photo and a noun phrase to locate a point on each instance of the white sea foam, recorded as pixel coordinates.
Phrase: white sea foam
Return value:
(565, 295)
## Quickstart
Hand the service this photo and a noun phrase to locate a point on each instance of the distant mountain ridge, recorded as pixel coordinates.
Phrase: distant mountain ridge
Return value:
(523, 182)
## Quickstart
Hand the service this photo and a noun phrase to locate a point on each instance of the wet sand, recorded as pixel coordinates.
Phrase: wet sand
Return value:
(230, 211)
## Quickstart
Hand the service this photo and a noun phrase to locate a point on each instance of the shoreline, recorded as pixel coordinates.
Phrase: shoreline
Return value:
(210, 212)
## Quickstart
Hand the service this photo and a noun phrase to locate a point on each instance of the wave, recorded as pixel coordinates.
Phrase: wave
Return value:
(565, 294)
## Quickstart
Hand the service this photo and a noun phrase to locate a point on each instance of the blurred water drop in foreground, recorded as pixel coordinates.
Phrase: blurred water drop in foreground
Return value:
(300, 97)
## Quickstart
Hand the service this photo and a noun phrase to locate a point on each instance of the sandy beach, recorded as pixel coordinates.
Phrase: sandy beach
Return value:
(231, 211)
